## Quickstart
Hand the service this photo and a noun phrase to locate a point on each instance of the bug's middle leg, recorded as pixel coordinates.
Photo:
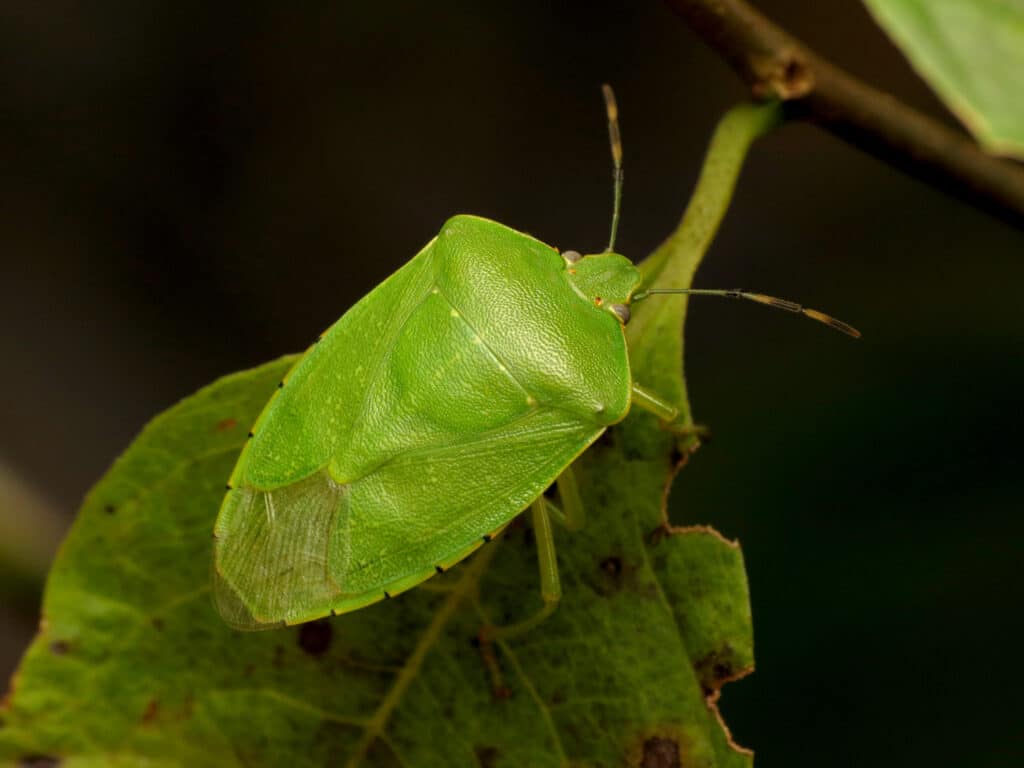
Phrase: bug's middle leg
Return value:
(572, 515)
(667, 414)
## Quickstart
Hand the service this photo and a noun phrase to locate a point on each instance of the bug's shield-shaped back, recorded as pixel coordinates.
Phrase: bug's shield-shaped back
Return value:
(430, 414)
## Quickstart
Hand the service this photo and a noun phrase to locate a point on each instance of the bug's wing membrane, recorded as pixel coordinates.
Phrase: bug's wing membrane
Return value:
(314, 547)
(432, 505)
(272, 553)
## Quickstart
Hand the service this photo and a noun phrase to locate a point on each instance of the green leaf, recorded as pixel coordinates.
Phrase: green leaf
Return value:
(972, 53)
(132, 664)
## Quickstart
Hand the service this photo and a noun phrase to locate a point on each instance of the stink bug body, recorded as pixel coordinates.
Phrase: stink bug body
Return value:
(431, 414)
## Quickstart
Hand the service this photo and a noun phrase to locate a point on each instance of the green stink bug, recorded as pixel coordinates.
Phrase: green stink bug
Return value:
(430, 415)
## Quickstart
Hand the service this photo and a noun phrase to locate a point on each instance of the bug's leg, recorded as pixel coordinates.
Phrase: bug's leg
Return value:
(550, 592)
(542, 511)
(550, 584)
(572, 515)
(667, 414)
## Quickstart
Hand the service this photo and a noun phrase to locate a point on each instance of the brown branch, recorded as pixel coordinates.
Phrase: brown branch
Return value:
(776, 65)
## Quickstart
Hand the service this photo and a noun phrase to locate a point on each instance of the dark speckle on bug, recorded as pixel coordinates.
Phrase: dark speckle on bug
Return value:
(315, 638)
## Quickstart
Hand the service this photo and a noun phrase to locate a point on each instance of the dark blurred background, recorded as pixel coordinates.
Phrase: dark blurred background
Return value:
(188, 189)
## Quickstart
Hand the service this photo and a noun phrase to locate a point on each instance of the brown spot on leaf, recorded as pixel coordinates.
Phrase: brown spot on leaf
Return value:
(109, 509)
(661, 752)
(715, 669)
(486, 756)
(225, 424)
(501, 693)
(656, 536)
(676, 456)
(315, 637)
(380, 752)
(158, 623)
(613, 575)
(60, 647)
(152, 710)
(39, 761)
(661, 746)
(612, 566)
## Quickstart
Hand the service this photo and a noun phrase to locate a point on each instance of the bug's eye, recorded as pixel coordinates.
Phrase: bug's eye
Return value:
(621, 311)
(572, 256)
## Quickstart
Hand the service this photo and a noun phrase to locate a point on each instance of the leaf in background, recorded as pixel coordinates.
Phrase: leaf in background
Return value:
(132, 664)
(972, 53)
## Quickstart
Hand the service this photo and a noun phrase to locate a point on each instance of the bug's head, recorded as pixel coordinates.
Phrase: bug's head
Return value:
(606, 280)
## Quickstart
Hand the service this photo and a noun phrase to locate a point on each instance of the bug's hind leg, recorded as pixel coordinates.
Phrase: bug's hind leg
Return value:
(542, 512)
(668, 415)
(573, 518)
(550, 584)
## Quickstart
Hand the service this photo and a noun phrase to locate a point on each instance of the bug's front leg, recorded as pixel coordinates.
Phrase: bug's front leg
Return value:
(668, 414)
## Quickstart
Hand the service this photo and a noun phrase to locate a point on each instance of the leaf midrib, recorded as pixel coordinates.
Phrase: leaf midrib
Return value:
(410, 669)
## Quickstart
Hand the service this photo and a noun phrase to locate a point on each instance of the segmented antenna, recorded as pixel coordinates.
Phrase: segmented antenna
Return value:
(760, 298)
(615, 139)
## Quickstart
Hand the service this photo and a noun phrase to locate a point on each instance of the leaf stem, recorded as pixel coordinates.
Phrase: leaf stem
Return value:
(655, 333)
(674, 262)
(466, 585)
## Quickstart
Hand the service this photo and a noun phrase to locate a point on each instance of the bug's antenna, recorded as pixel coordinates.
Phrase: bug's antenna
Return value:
(760, 298)
(615, 139)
